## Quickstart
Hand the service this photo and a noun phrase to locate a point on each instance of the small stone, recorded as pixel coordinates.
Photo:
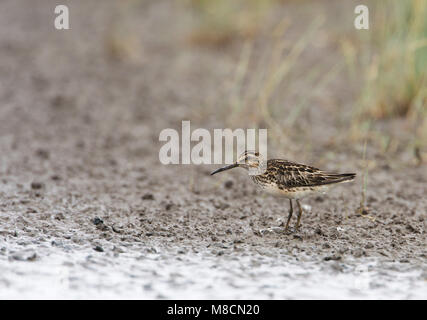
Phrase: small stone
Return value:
(54, 243)
(147, 287)
(42, 153)
(168, 206)
(99, 249)
(319, 231)
(36, 185)
(364, 211)
(334, 258)
(116, 230)
(33, 257)
(306, 207)
(97, 221)
(228, 184)
(59, 216)
(148, 196)
(297, 237)
(372, 199)
(411, 228)
(319, 199)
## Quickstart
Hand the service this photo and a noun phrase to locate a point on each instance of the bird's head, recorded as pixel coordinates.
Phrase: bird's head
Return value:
(249, 160)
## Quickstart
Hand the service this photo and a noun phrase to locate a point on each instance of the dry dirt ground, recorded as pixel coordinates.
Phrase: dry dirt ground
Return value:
(88, 211)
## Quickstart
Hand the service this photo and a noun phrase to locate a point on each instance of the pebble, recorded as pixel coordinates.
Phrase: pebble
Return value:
(59, 216)
(42, 153)
(334, 258)
(97, 221)
(99, 249)
(148, 196)
(36, 185)
(228, 184)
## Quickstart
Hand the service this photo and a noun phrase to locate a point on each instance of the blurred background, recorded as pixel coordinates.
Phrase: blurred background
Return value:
(298, 68)
(81, 111)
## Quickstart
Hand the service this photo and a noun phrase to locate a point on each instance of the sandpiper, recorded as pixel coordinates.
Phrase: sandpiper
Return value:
(288, 179)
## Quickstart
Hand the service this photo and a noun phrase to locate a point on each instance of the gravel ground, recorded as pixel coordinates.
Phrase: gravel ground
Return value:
(88, 211)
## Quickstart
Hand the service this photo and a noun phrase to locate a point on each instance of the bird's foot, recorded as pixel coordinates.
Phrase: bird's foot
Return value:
(281, 229)
(292, 230)
(271, 230)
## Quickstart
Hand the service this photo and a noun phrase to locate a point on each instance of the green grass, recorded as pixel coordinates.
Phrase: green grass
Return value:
(389, 63)
(395, 70)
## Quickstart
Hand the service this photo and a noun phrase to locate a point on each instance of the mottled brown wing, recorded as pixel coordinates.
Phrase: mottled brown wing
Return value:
(292, 175)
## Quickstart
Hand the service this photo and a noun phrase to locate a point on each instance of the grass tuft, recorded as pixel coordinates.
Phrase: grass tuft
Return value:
(219, 22)
(395, 64)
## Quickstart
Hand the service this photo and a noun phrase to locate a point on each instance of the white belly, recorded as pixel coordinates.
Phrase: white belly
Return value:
(294, 193)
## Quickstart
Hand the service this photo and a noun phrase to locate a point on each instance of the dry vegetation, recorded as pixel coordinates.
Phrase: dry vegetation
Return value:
(222, 21)
(393, 58)
(385, 68)
(395, 61)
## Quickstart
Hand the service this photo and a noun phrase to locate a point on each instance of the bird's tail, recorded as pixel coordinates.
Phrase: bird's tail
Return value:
(341, 177)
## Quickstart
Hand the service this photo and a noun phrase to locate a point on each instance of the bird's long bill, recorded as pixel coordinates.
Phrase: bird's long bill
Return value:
(231, 166)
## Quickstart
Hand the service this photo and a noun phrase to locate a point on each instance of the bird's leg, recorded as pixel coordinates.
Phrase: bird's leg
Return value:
(290, 214)
(299, 214)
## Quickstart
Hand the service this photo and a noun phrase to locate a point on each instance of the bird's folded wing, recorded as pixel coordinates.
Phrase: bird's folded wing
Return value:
(295, 175)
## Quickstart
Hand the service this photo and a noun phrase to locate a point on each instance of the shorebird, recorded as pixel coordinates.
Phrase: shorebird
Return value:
(288, 179)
